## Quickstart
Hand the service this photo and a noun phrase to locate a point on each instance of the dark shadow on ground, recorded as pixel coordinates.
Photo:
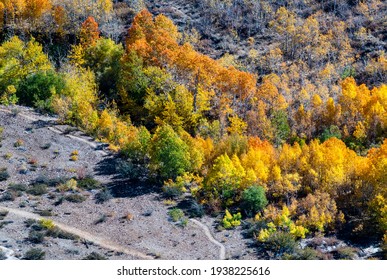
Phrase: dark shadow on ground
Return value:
(122, 188)
(42, 124)
(191, 208)
(108, 167)
(119, 185)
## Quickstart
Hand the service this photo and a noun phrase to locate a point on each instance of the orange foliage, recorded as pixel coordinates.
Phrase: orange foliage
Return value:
(89, 33)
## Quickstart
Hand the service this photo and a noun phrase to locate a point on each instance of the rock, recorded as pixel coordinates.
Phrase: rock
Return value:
(8, 253)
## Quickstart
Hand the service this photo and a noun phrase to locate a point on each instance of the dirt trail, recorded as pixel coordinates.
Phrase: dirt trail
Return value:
(222, 252)
(82, 234)
(57, 131)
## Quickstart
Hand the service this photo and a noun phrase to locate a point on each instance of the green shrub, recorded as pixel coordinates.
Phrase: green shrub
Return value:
(280, 243)
(94, 256)
(4, 175)
(18, 187)
(10, 196)
(3, 214)
(103, 196)
(89, 183)
(34, 254)
(332, 131)
(304, 254)
(346, 253)
(176, 214)
(36, 236)
(75, 198)
(231, 220)
(279, 121)
(253, 200)
(37, 189)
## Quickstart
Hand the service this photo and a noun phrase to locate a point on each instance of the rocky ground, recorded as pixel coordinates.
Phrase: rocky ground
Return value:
(34, 148)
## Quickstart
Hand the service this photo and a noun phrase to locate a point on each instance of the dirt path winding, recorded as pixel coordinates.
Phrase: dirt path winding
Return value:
(82, 234)
(222, 252)
(57, 131)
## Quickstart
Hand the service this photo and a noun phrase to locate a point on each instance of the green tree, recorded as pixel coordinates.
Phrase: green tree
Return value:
(132, 86)
(281, 125)
(253, 200)
(38, 90)
(103, 58)
(169, 154)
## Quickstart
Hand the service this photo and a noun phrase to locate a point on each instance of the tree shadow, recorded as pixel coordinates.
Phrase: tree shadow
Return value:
(42, 124)
(120, 186)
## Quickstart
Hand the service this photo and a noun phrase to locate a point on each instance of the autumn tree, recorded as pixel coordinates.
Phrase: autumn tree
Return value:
(76, 103)
(18, 60)
(224, 181)
(36, 8)
(89, 33)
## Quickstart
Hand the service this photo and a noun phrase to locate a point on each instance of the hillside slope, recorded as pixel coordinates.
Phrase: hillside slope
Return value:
(135, 219)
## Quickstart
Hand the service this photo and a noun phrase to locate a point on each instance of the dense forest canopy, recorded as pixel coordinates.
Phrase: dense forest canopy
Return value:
(287, 126)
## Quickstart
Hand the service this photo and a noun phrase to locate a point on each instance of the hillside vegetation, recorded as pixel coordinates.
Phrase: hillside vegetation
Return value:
(269, 112)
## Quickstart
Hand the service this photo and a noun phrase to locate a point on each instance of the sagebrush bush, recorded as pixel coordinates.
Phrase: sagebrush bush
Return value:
(56, 232)
(18, 187)
(75, 198)
(3, 214)
(280, 243)
(176, 214)
(103, 196)
(89, 183)
(346, 253)
(34, 254)
(37, 189)
(36, 236)
(9, 196)
(4, 175)
(305, 254)
(195, 209)
(94, 256)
